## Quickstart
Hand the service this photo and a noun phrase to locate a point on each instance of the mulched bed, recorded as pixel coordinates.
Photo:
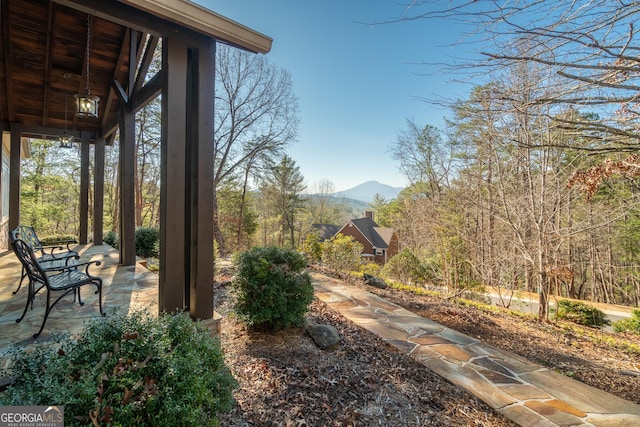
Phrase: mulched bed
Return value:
(286, 380)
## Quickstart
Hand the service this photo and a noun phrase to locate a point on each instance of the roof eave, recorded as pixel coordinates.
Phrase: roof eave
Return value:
(205, 21)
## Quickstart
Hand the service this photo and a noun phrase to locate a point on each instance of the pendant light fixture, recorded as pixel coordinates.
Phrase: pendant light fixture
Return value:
(87, 104)
(65, 139)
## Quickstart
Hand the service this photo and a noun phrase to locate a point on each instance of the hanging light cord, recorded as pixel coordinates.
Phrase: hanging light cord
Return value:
(65, 112)
(88, 89)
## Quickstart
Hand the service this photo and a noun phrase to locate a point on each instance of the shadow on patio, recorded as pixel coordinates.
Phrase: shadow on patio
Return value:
(124, 287)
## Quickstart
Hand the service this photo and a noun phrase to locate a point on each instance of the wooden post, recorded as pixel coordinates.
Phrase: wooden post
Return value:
(186, 199)
(14, 176)
(203, 94)
(127, 243)
(84, 188)
(173, 226)
(98, 192)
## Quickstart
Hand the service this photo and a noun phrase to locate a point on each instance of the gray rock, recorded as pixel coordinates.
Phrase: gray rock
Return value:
(374, 281)
(325, 336)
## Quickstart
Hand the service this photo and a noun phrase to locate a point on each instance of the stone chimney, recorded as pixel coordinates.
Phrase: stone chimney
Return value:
(368, 214)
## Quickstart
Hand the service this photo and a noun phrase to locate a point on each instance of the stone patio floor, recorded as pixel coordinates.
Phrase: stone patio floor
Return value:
(524, 392)
(124, 287)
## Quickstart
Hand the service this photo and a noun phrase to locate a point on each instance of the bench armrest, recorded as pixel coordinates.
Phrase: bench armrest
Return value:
(74, 266)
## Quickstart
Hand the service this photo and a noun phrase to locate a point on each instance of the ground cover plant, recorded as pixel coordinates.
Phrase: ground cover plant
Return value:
(581, 313)
(631, 324)
(128, 370)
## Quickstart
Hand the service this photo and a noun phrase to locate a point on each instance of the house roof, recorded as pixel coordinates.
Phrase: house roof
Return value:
(42, 56)
(385, 233)
(326, 231)
(369, 230)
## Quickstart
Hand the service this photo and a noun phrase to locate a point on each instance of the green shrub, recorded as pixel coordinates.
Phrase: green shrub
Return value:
(312, 246)
(147, 242)
(111, 239)
(406, 268)
(581, 313)
(128, 370)
(55, 240)
(370, 268)
(629, 325)
(272, 288)
(342, 253)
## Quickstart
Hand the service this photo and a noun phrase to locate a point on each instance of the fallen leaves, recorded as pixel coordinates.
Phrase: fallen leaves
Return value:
(285, 379)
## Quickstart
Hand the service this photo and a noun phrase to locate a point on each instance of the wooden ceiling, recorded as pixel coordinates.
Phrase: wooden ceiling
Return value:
(42, 66)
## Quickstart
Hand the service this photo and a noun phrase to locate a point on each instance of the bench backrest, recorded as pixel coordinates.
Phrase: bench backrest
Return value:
(28, 259)
(28, 235)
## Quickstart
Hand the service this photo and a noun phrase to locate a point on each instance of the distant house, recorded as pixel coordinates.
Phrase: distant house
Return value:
(325, 231)
(380, 243)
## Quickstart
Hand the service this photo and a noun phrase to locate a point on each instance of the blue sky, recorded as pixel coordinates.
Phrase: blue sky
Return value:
(356, 84)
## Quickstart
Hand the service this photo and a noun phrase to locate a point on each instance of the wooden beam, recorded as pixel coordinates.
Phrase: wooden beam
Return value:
(107, 118)
(131, 17)
(50, 133)
(138, 100)
(121, 93)
(147, 93)
(205, 21)
(84, 189)
(147, 58)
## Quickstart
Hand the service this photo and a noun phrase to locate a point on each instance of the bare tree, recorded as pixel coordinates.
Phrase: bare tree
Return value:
(589, 49)
(423, 156)
(256, 115)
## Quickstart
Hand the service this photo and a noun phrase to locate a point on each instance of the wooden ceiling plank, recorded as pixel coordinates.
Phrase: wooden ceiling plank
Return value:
(8, 58)
(47, 71)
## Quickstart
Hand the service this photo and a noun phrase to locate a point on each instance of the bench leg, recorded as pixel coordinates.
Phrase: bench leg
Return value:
(46, 315)
(30, 297)
(98, 284)
(24, 274)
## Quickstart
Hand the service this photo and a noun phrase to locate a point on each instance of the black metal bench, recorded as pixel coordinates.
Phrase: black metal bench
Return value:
(46, 255)
(65, 279)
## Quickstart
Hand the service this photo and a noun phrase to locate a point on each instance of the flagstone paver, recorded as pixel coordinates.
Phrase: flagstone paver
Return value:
(524, 392)
(124, 287)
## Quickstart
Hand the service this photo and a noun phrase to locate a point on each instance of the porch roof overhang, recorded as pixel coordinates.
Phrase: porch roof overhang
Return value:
(205, 21)
(42, 57)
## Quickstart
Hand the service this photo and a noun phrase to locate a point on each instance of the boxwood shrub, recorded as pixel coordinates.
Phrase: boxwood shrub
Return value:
(128, 370)
(147, 240)
(272, 289)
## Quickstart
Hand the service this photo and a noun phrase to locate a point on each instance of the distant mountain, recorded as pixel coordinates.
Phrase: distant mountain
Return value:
(367, 190)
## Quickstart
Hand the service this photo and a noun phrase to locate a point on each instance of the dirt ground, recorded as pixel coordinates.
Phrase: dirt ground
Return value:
(285, 379)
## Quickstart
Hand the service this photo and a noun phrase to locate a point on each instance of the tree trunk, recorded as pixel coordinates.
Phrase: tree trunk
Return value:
(217, 233)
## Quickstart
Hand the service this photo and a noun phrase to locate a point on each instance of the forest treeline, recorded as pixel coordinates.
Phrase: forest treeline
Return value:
(532, 184)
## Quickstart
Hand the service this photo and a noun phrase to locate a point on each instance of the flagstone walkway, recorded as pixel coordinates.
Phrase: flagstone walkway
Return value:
(524, 392)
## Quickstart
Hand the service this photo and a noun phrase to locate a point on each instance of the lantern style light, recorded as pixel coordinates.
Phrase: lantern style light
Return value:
(87, 104)
(65, 139)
